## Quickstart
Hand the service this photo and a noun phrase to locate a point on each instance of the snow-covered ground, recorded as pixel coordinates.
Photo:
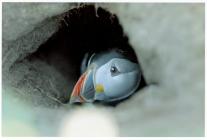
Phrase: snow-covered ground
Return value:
(169, 41)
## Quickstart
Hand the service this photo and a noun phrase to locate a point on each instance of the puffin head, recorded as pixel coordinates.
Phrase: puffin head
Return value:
(108, 77)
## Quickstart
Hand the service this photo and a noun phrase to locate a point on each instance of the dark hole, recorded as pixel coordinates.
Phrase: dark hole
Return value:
(83, 29)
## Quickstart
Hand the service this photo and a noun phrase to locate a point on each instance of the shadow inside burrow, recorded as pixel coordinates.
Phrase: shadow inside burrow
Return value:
(82, 30)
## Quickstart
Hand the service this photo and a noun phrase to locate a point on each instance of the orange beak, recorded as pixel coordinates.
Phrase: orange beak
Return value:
(84, 89)
(75, 96)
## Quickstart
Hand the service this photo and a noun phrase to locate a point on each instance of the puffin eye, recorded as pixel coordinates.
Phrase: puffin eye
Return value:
(114, 71)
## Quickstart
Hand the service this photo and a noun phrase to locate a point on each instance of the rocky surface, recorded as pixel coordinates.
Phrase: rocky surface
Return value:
(169, 41)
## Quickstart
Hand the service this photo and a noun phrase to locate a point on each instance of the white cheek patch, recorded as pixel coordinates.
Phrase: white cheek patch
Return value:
(102, 75)
(125, 66)
(120, 86)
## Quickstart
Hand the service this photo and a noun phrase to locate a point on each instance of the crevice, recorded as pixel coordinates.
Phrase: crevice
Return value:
(84, 29)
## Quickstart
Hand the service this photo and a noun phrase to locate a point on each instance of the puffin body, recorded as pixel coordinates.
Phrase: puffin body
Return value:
(106, 77)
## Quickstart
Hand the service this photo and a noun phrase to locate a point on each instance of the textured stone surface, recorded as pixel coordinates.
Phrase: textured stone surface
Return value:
(169, 41)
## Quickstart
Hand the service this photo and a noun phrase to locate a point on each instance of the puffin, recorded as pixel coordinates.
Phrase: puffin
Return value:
(108, 76)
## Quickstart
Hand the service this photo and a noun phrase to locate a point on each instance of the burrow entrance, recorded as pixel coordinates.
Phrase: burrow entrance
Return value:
(82, 29)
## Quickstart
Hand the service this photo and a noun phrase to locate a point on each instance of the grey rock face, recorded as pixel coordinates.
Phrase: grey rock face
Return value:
(169, 41)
